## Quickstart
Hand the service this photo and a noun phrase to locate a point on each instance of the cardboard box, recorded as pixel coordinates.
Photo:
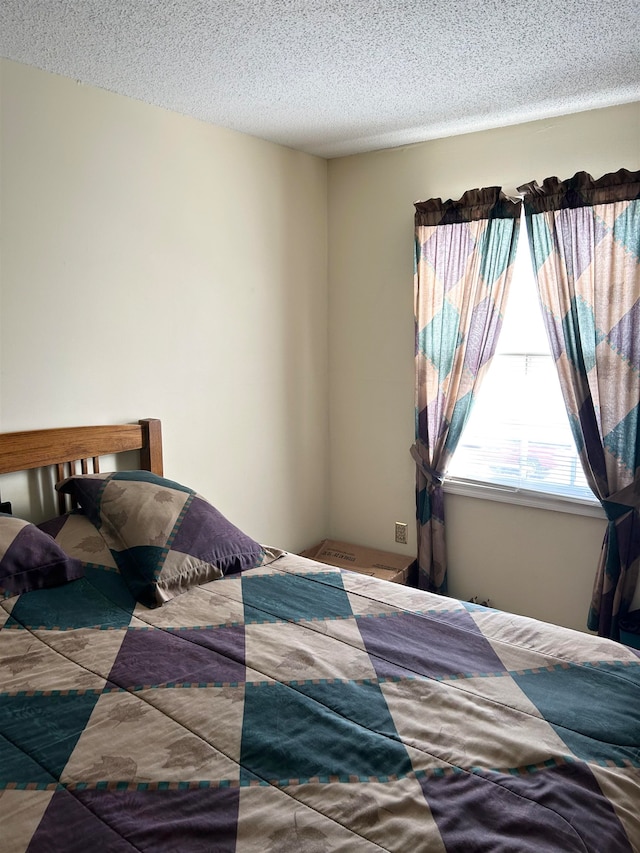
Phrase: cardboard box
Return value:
(366, 561)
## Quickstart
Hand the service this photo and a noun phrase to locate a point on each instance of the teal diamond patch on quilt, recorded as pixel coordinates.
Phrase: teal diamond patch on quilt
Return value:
(46, 727)
(291, 598)
(596, 709)
(75, 605)
(18, 770)
(290, 735)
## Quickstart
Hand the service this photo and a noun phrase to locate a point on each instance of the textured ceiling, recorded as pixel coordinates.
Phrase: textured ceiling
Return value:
(334, 77)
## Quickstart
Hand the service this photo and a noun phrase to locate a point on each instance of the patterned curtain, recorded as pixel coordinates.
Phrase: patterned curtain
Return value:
(464, 258)
(585, 245)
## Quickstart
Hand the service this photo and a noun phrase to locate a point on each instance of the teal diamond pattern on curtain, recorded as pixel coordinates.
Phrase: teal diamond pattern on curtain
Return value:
(440, 339)
(464, 259)
(585, 245)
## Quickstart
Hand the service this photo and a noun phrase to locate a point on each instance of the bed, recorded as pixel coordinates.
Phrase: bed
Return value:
(169, 684)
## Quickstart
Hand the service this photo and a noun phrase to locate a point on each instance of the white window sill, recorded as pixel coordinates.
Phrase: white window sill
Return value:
(523, 497)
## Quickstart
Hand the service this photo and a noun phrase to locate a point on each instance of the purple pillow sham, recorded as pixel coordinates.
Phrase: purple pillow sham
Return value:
(31, 559)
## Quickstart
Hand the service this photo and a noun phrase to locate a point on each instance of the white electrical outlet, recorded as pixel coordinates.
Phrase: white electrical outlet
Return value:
(401, 532)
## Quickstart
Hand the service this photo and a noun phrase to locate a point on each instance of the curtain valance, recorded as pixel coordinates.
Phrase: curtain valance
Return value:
(580, 191)
(485, 203)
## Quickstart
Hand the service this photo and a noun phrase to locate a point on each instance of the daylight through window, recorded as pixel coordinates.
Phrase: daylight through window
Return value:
(518, 434)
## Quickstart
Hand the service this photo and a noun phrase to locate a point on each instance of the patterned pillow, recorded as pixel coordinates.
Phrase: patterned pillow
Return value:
(78, 537)
(164, 537)
(30, 559)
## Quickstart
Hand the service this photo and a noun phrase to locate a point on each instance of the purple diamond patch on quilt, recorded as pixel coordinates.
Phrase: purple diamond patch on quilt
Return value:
(155, 656)
(198, 820)
(397, 646)
(495, 807)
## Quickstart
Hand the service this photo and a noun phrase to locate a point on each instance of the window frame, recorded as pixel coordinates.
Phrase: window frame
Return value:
(519, 494)
(523, 497)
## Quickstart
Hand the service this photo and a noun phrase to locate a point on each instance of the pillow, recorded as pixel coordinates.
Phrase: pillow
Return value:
(164, 537)
(30, 558)
(78, 537)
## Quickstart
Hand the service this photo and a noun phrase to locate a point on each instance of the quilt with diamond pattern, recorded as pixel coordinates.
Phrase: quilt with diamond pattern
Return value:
(296, 707)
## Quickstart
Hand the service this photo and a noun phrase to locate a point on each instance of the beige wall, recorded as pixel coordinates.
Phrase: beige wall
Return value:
(152, 265)
(155, 266)
(527, 560)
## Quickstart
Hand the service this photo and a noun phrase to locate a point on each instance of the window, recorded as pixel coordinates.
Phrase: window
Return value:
(518, 435)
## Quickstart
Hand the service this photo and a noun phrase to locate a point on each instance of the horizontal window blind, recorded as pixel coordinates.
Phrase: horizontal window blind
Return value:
(518, 434)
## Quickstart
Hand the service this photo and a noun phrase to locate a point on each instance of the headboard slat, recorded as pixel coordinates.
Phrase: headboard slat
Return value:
(63, 448)
(151, 451)
(20, 451)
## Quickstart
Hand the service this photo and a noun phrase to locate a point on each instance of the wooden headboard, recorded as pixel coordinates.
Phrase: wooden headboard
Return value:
(74, 450)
